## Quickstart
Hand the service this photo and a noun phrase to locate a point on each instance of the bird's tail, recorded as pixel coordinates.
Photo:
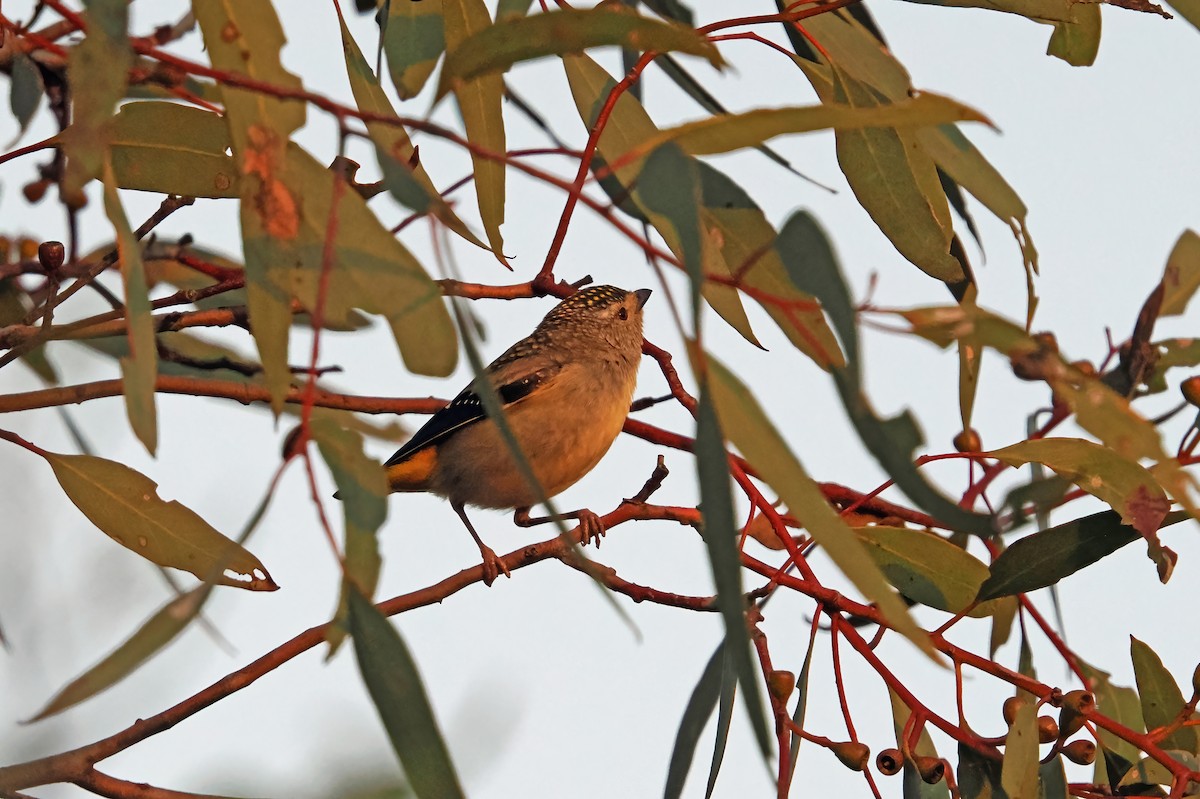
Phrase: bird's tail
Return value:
(413, 473)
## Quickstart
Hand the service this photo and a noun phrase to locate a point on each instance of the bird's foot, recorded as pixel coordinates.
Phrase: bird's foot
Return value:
(493, 566)
(590, 527)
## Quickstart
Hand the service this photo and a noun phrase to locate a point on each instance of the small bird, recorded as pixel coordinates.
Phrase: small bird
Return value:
(565, 390)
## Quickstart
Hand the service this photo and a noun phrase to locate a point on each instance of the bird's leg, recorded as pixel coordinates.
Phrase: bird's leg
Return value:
(590, 525)
(492, 565)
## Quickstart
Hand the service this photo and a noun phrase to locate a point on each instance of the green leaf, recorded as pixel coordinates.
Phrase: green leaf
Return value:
(1052, 780)
(362, 487)
(124, 504)
(26, 91)
(157, 631)
(720, 538)
(729, 681)
(1119, 703)
(1162, 701)
(506, 9)
(801, 710)
(394, 684)
(407, 182)
(1078, 40)
(1019, 772)
(1044, 558)
(762, 445)
(1036, 10)
(670, 195)
(1182, 275)
(699, 709)
(173, 149)
(811, 263)
(730, 219)
(926, 568)
(1188, 9)
(1124, 484)
(13, 307)
(729, 132)
(978, 775)
(413, 39)
(139, 370)
(1002, 623)
(98, 72)
(247, 38)
(565, 30)
(914, 786)
(479, 103)
(1149, 771)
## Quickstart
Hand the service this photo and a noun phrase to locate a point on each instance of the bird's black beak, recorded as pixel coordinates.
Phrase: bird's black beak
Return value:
(642, 295)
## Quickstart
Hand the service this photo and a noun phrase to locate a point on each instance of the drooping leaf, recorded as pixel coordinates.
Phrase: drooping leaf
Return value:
(1162, 701)
(1149, 771)
(801, 710)
(173, 149)
(1120, 704)
(1052, 780)
(926, 568)
(726, 133)
(13, 307)
(140, 368)
(978, 775)
(811, 264)
(760, 442)
(671, 196)
(124, 504)
(1125, 485)
(1002, 623)
(362, 487)
(729, 217)
(403, 175)
(566, 30)
(26, 92)
(1181, 278)
(1045, 557)
(247, 38)
(720, 538)
(413, 40)
(395, 686)
(1019, 772)
(157, 631)
(699, 709)
(479, 104)
(728, 691)
(1078, 40)
(98, 72)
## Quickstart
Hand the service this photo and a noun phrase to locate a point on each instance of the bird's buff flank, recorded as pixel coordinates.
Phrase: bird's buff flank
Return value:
(565, 390)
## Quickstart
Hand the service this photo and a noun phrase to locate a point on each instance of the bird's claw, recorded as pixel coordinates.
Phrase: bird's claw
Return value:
(590, 527)
(493, 566)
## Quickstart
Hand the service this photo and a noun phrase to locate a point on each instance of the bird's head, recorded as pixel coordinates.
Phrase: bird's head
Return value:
(599, 315)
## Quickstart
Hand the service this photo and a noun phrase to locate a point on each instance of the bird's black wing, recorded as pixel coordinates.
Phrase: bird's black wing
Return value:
(464, 410)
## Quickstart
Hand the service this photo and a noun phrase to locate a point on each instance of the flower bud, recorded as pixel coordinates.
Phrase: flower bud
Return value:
(781, 684)
(931, 769)
(853, 754)
(1047, 729)
(1009, 709)
(51, 255)
(1082, 752)
(1191, 390)
(968, 441)
(1075, 706)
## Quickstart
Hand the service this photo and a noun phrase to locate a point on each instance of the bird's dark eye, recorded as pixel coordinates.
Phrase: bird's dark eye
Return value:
(622, 314)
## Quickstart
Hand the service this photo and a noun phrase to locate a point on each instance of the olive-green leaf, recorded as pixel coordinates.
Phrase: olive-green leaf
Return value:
(926, 568)
(1182, 275)
(1188, 9)
(1162, 701)
(720, 538)
(1125, 485)
(696, 714)
(802, 694)
(26, 91)
(722, 134)
(1052, 780)
(157, 631)
(173, 149)
(98, 71)
(247, 38)
(1078, 40)
(978, 775)
(13, 307)
(124, 504)
(761, 443)
(1121, 704)
(1037, 10)
(565, 30)
(1019, 772)
(413, 40)
(1149, 771)
(407, 181)
(479, 104)
(392, 679)
(728, 696)
(362, 488)
(140, 368)
(1043, 558)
